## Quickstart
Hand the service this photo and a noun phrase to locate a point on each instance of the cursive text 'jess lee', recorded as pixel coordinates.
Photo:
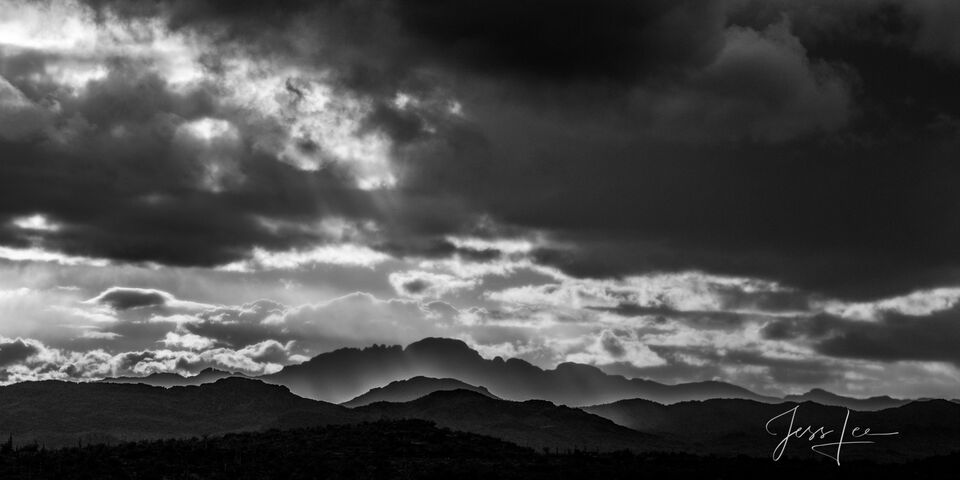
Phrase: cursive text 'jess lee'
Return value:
(857, 435)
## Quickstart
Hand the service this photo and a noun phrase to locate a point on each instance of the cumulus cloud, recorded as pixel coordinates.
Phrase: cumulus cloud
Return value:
(919, 303)
(28, 359)
(188, 341)
(254, 338)
(356, 319)
(680, 292)
(120, 298)
(99, 335)
(131, 298)
(345, 255)
(31, 360)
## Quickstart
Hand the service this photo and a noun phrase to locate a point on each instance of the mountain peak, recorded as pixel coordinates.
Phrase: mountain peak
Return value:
(449, 398)
(412, 389)
(449, 347)
(826, 397)
(439, 343)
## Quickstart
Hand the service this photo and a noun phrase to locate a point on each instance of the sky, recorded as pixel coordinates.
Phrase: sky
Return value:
(758, 192)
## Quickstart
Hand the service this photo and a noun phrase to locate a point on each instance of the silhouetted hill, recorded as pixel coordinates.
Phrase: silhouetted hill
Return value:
(823, 397)
(208, 375)
(533, 423)
(737, 427)
(61, 413)
(344, 374)
(412, 389)
(412, 450)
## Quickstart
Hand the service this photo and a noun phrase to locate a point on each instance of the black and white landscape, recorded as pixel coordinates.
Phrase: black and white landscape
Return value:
(497, 239)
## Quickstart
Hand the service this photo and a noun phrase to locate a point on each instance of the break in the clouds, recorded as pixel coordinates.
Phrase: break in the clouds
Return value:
(760, 192)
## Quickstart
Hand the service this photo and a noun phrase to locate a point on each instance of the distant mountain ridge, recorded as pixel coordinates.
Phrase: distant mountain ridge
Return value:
(411, 389)
(344, 374)
(207, 375)
(823, 397)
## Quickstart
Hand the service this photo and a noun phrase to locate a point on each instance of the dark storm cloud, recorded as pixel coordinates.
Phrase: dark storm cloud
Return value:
(921, 26)
(898, 337)
(128, 189)
(860, 208)
(806, 142)
(15, 352)
(120, 298)
(566, 39)
(893, 337)
(842, 219)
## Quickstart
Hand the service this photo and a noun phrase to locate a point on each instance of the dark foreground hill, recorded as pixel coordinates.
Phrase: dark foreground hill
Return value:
(726, 427)
(411, 450)
(533, 423)
(412, 389)
(62, 413)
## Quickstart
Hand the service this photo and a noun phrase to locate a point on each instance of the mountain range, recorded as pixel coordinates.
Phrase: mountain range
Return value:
(352, 376)
(344, 374)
